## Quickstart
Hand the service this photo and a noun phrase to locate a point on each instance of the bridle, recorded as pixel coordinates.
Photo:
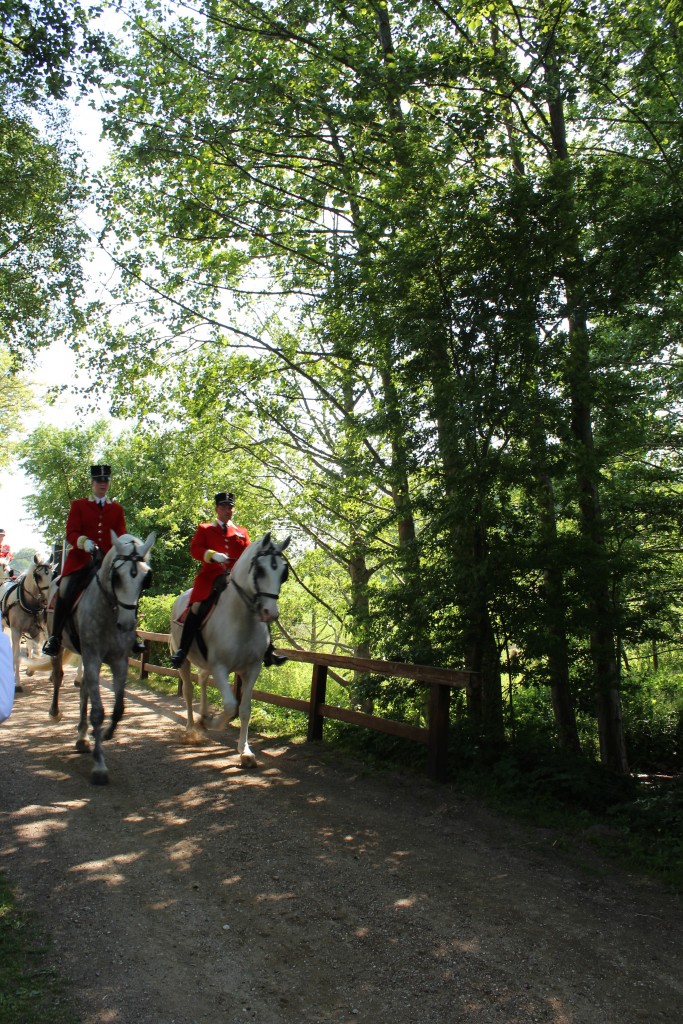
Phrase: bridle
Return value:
(254, 601)
(135, 558)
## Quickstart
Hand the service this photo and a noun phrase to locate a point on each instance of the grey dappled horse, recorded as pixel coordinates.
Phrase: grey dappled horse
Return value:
(23, 602)
(236, 636)
(106, 621)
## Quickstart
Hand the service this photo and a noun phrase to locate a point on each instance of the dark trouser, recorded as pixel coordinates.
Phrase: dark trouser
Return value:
(63, 605)
(190, 626)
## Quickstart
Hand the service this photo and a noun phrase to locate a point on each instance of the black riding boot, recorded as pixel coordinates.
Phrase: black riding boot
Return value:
(270, 658)
(53, 644)
(190, 627)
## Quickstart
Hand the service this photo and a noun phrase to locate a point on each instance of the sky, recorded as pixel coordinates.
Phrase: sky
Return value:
(55, 366)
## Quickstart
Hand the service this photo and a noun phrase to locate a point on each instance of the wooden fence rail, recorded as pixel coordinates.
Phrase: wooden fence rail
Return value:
(439, 680)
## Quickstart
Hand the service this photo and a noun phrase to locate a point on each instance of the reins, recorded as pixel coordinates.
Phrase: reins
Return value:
(253, 602)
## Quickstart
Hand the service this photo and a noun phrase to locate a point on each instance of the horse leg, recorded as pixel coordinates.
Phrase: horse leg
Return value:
(91, 685)
(185, 673)
(247, 679)
(56, 677)
(222, 680)
(204, 710)
(82, 745)
(119, 671)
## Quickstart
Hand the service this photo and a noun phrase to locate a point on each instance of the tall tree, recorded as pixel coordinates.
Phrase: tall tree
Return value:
(464, 217)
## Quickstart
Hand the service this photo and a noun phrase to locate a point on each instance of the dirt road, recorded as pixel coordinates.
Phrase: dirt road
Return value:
(309, 890)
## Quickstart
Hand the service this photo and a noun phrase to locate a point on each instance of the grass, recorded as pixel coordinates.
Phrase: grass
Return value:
(30, 988)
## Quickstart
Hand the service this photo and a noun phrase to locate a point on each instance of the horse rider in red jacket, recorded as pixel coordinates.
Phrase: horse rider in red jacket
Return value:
(217, 546)
(88, 530)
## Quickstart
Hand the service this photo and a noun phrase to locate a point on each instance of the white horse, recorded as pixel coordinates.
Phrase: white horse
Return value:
(103, 627)
(22, 603)
(236, 636)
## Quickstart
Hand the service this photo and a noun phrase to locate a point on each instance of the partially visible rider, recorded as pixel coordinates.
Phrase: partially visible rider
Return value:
(6, 555)
(88, 537)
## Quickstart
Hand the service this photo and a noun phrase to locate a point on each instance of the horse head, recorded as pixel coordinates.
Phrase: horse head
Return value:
(36, 581)
(258, 575)
(124, 574)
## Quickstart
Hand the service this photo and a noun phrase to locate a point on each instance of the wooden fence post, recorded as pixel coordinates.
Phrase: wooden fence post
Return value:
(318, 689)
(437, 749)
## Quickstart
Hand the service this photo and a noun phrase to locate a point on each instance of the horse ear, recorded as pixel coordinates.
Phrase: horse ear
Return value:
(265, 540)
(36, 559)
(281, 547)
(148, 543)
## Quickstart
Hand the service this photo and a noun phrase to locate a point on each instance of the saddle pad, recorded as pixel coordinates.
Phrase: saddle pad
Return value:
(53, 600)
(180, 619)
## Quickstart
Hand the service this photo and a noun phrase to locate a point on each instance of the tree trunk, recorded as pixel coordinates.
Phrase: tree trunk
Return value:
(558, 661)
(580, 388)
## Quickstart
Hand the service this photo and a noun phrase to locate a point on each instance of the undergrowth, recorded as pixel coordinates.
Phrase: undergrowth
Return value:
(636, 821)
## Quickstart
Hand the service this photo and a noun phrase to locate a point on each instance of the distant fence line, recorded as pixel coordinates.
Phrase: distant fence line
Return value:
(439, 680)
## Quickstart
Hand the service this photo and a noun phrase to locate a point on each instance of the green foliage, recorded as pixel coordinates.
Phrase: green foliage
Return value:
(29, 988)
(17, 399)
(42, 241)
(154, 616)
(22, 560)
(653, 720)
(58, 462)
(652, 830)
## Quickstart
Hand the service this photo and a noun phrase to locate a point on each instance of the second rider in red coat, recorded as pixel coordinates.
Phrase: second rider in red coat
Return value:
(217, 546)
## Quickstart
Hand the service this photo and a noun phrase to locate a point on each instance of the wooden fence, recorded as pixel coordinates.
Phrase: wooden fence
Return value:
(439, 680)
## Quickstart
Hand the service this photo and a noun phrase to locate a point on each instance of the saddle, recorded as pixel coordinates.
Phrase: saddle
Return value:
(206, 610)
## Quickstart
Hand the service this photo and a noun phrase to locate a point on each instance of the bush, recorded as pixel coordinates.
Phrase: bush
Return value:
(154, 615)
(653, 720)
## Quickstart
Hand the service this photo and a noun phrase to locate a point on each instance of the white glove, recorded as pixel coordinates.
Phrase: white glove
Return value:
(89, 545)
(218, 556)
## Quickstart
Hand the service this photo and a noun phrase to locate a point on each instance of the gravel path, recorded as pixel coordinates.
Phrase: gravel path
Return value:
(310, 890)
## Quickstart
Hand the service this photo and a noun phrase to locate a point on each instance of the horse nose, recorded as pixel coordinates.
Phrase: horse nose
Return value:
(270, 614)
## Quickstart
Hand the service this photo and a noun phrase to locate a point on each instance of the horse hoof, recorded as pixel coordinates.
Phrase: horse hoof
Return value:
(56, 716)
(99, 778)
(247, 761)
(29, 672)
(82, 746)
(19, 689)
(195, 737)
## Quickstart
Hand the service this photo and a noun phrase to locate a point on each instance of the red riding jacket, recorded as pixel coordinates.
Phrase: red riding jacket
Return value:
(209, 537)
(88, 519)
